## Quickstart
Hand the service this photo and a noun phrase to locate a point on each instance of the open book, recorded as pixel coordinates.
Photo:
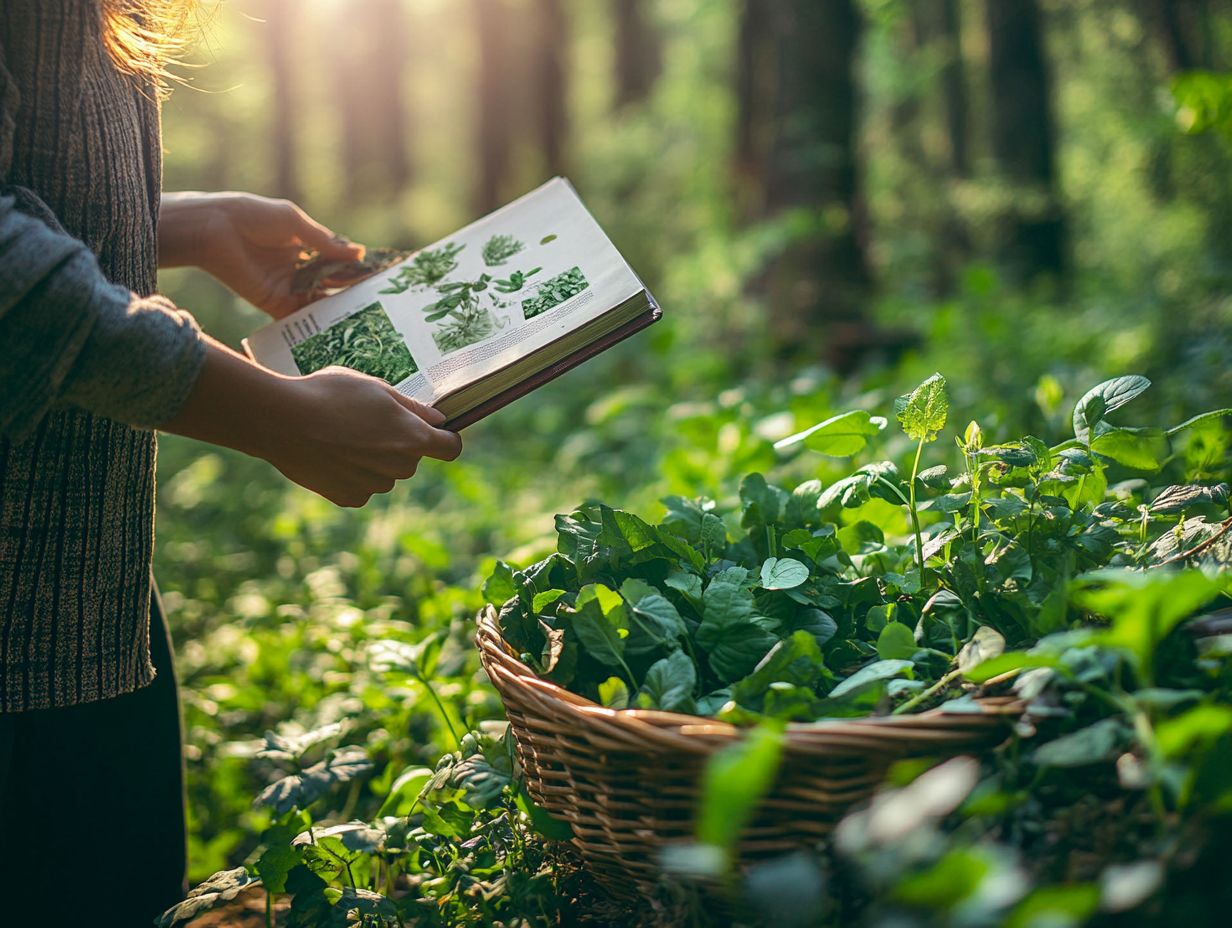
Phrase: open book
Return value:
(481, 317)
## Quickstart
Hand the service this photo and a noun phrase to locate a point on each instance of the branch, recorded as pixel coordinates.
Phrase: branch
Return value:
(1224, 527)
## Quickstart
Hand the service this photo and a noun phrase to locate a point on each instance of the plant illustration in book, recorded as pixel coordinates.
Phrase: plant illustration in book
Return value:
(555, 291)
(470, 309)
(364, 341)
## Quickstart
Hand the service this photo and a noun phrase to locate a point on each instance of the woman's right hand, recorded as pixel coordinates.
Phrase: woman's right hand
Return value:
(346, 435)
(339, 433)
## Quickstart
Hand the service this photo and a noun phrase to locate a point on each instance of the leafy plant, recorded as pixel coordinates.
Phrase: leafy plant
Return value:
(428, 268)
(365, 341)
(804, 614)
(563, 286)
(499, 249)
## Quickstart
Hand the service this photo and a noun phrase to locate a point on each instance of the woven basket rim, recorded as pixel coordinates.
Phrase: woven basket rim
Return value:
(506, 668)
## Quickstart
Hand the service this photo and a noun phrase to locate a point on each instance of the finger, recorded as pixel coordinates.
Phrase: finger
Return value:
(440, 444)
(429, 414)
(397, 467)
(328, 244)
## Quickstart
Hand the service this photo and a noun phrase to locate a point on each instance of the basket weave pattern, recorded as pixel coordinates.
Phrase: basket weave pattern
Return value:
(627, 781)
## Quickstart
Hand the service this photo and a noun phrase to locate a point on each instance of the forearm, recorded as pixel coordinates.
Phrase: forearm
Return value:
(235, 403)
(186, 220)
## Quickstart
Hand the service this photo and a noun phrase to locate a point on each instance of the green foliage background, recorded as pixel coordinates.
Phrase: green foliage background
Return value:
(279, 601)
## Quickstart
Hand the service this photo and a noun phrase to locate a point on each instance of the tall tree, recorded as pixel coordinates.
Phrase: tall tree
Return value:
(1024, 137)
(370, 57)
(493, 83)
(796, 152)
(551, 83)
(1184, 29)
(279, 39)
(638, 57)
(954, 98)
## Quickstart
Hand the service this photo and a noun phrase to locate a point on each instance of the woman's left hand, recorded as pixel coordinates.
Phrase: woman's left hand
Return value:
(250, 243)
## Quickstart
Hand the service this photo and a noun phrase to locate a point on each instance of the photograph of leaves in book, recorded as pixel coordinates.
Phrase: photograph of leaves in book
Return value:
(470, 310)
(365, 341)
(551, 294)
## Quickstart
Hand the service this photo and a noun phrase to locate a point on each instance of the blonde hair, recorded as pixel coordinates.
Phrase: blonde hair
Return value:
(144, 37)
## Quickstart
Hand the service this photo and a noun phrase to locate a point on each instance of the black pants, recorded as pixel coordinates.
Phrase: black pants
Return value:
(92, 806)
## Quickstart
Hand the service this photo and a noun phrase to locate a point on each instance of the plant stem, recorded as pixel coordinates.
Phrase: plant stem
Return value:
(927, 694)
(915, 517)
(440, 707)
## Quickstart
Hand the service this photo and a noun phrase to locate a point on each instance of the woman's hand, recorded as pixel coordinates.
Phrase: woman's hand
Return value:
(250, 243)
(347, 436)
(339, 433)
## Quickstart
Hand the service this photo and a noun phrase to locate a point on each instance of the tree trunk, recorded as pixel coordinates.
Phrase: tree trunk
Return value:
(279, 40)
(493, 82)
(639, 53)
(1023, 138)
(796, 152)
(370, 54)
(954, 98)
(550, 79)
(385, 98)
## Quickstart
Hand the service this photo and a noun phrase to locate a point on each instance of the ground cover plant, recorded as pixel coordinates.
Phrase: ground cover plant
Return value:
(564, 286)
(801, 617)
(1038, 568)
(365, 341)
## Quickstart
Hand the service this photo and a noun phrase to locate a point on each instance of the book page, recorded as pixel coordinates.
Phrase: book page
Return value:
(465, 307)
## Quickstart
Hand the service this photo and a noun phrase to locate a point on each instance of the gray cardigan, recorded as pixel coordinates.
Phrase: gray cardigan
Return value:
(90, 362)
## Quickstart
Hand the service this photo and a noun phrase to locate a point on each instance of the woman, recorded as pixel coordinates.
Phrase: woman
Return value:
(91, 362)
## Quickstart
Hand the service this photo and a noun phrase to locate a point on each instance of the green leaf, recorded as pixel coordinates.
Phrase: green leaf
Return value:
(669, 684)
(761, 503)
(734, 782)
(1090, 745)
(984, 645)
(302, 789)
(687, 584)
(1059, 906)
(221, 888)
(713, 535)
(500, 587)
(1142, 605)
(783, 573)
(1175, 499)
(598, 620)
(1207, 417)
(405, 790)
(545, 599)
(730, 632)
(869, 677)
(839, 436)
(795, 660)
(1142, 449)
(922, 412)
(896, 642)
(614, 693)
(653, 620)
(1100, 400)
(275, 863)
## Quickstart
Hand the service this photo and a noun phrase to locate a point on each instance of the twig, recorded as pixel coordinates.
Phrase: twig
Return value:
(1224, 527)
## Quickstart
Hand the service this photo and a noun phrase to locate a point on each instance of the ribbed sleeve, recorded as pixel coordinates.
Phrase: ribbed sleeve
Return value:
(71, 337)
(86, 356)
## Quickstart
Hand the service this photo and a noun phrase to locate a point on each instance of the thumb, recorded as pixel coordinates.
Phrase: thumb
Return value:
(429, 414)
(325, 242)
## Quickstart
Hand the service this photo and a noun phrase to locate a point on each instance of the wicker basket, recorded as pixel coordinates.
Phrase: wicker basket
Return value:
(627, 781)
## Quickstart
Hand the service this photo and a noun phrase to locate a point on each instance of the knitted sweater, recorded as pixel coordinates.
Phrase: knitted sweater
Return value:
(89, 361)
